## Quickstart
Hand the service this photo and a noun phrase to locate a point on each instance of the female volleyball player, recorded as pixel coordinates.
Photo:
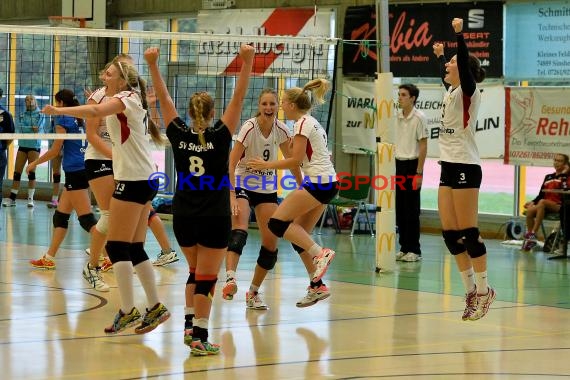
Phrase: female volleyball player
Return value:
(461, 175)
(201, 215)
(297, 215)
(128, 124)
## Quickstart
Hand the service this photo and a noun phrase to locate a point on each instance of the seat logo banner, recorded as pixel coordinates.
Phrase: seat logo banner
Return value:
(273, 57)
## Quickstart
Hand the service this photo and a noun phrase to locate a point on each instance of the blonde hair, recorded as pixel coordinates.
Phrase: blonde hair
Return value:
(135, 83)
(311, 94)
(200, 110)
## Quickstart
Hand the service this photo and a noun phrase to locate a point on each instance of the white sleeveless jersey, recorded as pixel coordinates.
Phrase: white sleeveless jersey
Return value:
(256, 145)
(91, 153)
(132, 159)
(457, 132)
(317, 164)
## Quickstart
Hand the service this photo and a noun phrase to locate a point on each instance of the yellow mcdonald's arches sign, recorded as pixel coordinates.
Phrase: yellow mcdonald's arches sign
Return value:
(385, 106)
(386, 149)
(388, 239)
(385, 196)
(370, 120)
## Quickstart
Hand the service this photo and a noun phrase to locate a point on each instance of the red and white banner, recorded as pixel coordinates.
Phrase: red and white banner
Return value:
(537, 125)
(273, 57)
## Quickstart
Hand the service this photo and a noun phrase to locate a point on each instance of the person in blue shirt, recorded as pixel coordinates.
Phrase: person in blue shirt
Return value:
(6, 126)
(75, 195)
(29, 121)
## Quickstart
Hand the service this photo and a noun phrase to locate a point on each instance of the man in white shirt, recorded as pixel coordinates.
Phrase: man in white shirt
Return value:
(411, 151)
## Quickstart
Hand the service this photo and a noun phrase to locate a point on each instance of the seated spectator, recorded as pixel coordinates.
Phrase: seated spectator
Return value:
(545, 202)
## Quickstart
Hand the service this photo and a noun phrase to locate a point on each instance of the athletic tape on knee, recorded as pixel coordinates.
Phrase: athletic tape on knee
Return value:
(56, 178)
(137, 253)
(453, 241)
(87, 221)
(206, 285)
(17, 176)
(237, 241)
(31, 176)
(103, 222)
(151, 215)
(278, 227)
(267, 258)
(297, 248)
(60, 219)
(473, 242)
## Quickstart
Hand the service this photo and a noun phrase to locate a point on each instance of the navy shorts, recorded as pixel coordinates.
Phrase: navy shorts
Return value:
(139, 192)
(460, 176)
(323, 192)
(76, 180)
(254, 198)
(98, 168)
(208, 231)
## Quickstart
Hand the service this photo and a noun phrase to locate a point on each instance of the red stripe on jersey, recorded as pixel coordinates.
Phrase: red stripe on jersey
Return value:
(466, 105)
(275, 25)
(125, 130)
(309, 150)
(247, 133)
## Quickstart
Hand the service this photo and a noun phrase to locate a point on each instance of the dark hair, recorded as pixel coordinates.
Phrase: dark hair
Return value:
(476, 69)
(412, 90)
(566, 158)
(68, 98)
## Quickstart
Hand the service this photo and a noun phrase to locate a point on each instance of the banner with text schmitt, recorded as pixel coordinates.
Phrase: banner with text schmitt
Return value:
(537, 124)
(537, 36)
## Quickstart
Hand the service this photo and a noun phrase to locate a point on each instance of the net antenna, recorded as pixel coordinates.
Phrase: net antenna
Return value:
(67, 21)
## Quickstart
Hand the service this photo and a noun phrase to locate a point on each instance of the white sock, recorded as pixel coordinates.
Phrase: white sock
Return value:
(53, 199)
(468, 278)
(200, 322)
(315, 250)
(52, 258)
(482, 284)
(145, 273)
(230, 274)
(124, 277)
(188, 310)
(31, 193)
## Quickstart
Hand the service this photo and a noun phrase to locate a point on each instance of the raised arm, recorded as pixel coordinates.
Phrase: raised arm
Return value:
(468, 84)
(167, 107)
(111, 107)
(441, 61)
(231, 116)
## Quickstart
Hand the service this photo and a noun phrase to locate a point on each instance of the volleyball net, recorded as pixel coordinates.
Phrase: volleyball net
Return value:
(40, 61)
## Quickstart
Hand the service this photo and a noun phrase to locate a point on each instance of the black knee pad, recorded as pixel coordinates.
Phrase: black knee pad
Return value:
(191, 278)
(87, 221)
(118, 251)
(60, 219)
(453, 241)
(56, 178)
(17, 176)
(297, 248)
(237, 241)
(32, 176)
(473, 243)
(278, 227)
(206, 287)
(267, 258)
(137, 253)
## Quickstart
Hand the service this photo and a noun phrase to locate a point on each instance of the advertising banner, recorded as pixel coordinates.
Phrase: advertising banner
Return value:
(538, 35)
(413, 30)
(537, 125)
(356, 132)
(272, 58)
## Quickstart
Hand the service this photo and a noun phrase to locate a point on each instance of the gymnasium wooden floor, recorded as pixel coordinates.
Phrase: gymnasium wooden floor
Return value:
(405, 324)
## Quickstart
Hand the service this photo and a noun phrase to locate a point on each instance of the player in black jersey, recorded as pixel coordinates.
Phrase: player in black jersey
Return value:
(201, 205)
